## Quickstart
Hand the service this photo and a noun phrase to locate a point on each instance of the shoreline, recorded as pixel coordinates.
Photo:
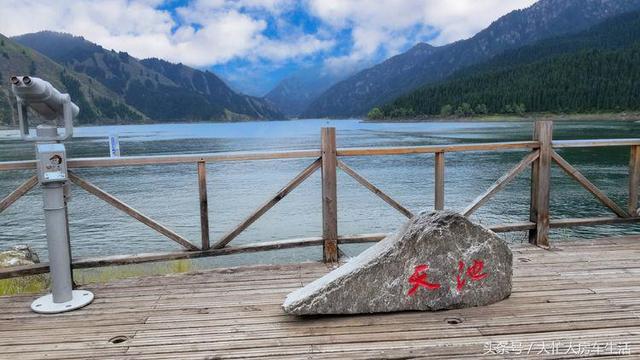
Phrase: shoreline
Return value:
(625, 116)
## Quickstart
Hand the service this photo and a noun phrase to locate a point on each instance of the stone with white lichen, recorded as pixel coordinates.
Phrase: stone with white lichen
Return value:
(437, 260)
(18, 255)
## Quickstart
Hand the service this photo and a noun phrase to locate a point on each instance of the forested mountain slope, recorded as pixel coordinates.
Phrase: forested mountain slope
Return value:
(595, 70)
(160, 90)
(424, 64)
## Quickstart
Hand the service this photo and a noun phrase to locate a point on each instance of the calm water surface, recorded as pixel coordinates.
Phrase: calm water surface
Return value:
(168, 193)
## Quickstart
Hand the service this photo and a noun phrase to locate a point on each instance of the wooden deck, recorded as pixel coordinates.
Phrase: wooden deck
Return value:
(581, 293)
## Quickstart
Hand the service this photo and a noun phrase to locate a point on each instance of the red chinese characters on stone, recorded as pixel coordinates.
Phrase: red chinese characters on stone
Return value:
(419, 278)
(474, 273)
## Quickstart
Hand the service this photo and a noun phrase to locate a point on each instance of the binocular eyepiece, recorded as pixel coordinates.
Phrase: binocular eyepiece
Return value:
(16, 80)
(44, 99)
(41, 96)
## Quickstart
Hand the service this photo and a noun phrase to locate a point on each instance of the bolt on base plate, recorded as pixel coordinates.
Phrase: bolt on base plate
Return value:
(45, 304)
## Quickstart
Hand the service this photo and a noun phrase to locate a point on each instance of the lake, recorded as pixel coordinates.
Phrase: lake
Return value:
(168, 193)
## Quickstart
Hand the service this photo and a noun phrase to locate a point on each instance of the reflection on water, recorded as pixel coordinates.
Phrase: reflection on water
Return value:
(168, 193)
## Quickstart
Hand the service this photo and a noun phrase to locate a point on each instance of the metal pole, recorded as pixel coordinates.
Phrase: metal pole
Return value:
(67, 198)
(55, 220)
(67, 192)
(52, 175)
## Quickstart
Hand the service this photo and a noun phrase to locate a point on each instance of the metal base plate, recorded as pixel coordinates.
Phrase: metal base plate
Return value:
(45, 304)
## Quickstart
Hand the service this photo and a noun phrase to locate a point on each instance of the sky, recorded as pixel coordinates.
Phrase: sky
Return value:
(253, 44)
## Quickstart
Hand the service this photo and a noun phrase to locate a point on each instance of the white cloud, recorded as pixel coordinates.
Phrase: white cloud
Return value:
(205, 33)
(392, 25)
(212, 32)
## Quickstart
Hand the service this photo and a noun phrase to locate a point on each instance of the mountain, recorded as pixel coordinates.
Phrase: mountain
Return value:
(424, 64)
(594, 70)
(294, 94)
(207, 84)
(160, 90)
(97, 103)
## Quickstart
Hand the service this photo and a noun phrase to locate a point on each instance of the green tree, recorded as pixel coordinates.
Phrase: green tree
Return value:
(446, 110)
(398, 112)
(464, 110)
(481, 109)
(375, 114)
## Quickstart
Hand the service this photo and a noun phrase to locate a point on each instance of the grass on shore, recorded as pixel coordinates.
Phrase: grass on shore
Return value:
(35, 284)
(24, 285)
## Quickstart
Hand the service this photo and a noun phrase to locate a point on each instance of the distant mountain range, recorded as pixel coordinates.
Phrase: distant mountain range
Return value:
(594, 70)
(116, 87)
(295, 93)
(424, 64)
(492, 71)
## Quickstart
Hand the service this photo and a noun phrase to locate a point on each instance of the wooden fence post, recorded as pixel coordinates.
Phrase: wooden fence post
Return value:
(634, 180)
(204, 205)
(439, 181)
(329, 195)
(540, 185)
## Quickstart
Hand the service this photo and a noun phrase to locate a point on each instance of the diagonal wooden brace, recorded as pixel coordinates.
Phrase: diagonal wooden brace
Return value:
(501, 183)
(18, 193)
(118, 204)
(302, 176)
(577, 176)
(374, 189)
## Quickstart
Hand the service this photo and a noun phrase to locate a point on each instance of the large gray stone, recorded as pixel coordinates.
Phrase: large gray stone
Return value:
(471, 264)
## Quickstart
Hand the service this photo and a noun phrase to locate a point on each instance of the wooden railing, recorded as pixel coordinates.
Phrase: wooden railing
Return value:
(540, 154)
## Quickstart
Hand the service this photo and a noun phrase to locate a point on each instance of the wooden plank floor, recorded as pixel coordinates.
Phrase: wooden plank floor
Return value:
(581, 297)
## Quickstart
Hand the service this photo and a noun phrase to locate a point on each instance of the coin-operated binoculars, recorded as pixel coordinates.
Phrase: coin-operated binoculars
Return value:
(50, 104)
